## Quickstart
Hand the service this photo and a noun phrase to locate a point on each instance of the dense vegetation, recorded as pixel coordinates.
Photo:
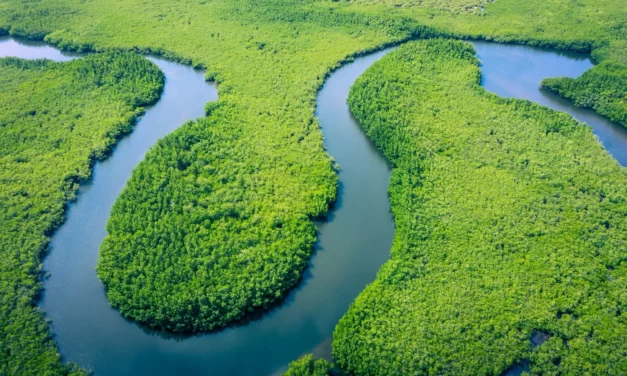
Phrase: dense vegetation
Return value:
(55, 119)
(450, 6)
(583, 25)
(510, 220)
(198, 237)
(308, 366)
(602, 88)
(253, 173)
(215, 223)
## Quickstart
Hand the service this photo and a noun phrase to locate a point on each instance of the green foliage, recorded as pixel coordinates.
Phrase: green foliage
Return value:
(308, 366)
(452, 6)
(200, 237)
(615, 50)
(580, 25)
(260, 152)
(240, 187)
(510, 218)
(583, 25)
(216, 222)
(55, 119)
(602, 88)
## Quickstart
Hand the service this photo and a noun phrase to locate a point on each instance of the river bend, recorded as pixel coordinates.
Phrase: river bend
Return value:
(352, 243)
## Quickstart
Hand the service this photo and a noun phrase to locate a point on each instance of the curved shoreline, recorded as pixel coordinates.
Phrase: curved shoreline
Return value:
(91, 333)
(352, 244)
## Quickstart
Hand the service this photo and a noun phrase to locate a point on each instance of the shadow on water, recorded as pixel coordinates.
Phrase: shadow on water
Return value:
(518, 369)
(28, 49)
(537, 339)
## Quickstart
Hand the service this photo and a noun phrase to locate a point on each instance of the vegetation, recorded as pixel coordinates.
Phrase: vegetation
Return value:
(582, 26)
(55, 119)
(602, 88)
(510, 220)
(585, 26)
(215, 223)
(199, 238)
(253, 173)
(450, 6)
(308, 366)
(241, 186)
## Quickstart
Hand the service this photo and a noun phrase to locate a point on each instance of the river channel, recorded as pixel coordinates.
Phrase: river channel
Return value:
(353, 242)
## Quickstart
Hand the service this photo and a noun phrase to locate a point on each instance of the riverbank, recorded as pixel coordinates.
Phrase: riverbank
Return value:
(271, 59)
(509, 223)
(83, 321)
(51, 138)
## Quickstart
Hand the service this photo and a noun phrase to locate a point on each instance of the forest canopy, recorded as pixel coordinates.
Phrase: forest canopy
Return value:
(308, 366)
(602, 88)
(55, 120)
(585, 26)
(269, 58)
(510, 224)
(215, 225)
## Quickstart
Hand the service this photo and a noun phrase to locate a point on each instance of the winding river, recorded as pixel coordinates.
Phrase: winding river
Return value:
(353, 242)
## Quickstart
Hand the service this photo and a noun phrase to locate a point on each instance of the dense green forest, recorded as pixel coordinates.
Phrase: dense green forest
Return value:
(238, 189)
(308, 366)
(200, 236)
(55, 120)
(510, 222)
(215, 223)
(585, 25)
(602, 88)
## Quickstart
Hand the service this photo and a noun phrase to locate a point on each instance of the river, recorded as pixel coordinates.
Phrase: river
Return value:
(516, 71)
(353, 242)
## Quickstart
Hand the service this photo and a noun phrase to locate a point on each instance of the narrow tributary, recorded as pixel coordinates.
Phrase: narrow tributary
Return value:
(353, 243)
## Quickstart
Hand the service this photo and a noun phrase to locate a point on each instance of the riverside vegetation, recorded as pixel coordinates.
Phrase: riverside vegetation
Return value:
(602, 88)
(215, 224)
(585, 26)
(235, 192)
(55, 120)
(308, 366)
(253, 173)
(510, 223)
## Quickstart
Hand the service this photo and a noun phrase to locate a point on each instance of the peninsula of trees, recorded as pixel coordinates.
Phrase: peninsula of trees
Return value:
(515, 206)
(510, 223)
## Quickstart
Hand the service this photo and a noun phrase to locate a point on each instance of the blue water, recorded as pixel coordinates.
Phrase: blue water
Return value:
(516, 72)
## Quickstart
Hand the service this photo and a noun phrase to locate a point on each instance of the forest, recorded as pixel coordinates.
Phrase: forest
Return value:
(215, 224)
(602, 88)
(510, 222)
(55, 120)
(308, 366)
(235, 193)
(585, 26)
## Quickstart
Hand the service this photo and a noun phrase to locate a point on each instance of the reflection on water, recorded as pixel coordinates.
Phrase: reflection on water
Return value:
(27, 49)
